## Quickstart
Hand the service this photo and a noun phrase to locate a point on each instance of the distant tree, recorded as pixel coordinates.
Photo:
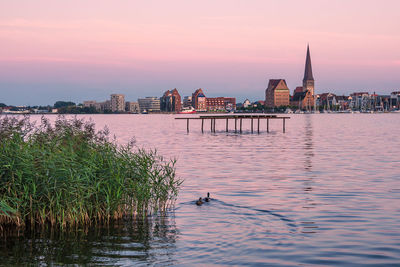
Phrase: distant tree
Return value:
(48, 108)
(60, 104)
(69, 110)
(2, 105)
(89, 110)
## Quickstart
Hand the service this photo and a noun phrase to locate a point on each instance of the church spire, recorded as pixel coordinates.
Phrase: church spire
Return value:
(308, 70)
(308, 80)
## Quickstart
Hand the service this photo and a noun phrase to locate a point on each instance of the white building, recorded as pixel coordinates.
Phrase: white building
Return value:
(246, 103)
(117, 103)
(132, 107)
(149, 104)
(89, 104)
(103, 106)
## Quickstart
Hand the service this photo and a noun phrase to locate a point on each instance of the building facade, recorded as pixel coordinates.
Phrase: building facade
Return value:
(303, 100)
(199, 100)
(149, 104)
(395, 100)
(132, 107)
(103, 106)
(277, 94)
(117, 103)
(220, 103)
(359, 100)
(246, 103)
(89, 104)
(187, 102)
(171, 101)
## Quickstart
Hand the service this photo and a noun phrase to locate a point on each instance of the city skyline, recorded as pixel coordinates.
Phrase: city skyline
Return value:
(228, 48)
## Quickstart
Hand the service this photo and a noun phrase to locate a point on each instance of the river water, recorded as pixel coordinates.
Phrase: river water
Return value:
(326, 192)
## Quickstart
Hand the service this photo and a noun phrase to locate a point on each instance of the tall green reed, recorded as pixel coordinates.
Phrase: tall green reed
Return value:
(66, 173)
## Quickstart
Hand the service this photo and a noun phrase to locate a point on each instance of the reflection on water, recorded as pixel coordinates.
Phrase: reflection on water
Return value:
(308, 143)
(124, 242)
(308, 179)
(326, 192)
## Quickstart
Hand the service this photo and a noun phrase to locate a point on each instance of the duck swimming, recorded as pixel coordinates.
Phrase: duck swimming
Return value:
(207, 199)
(199, 202)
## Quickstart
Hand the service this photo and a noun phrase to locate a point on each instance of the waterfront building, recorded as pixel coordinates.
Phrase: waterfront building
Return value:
(17, 110)
(359, 100)
(308, 80)
(259, 103)
(381, 102)
(298, 90)
(303, 97)
(327, 100)
(89, 104)
(117, 103)
(199, 100)
(395, 100)
(132, 107)
(187, 102)
(171, 101)
(220, 103)
(246, 103)
(277, 94)
(343, 102)
(166, 101)
(103, 106)
(149, 104)
(303, 100)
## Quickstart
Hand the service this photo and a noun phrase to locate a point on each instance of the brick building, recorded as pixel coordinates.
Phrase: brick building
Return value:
(220, 103)
(277, 94)
(199, 100)
(303, 100)
(171, 101)
(303, 97)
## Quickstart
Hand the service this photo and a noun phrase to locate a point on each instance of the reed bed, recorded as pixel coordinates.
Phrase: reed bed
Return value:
(66, 173)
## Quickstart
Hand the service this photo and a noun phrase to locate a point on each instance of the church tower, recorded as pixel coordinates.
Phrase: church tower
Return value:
(308, 80)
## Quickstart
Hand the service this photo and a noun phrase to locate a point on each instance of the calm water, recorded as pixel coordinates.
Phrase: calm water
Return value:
(327, 192)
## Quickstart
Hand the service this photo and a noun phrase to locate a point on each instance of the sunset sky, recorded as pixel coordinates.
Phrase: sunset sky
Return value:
(86, 50)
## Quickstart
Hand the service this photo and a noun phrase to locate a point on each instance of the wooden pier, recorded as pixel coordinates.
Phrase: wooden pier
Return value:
(236, 118)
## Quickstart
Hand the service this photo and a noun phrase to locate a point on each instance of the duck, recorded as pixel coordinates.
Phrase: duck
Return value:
(199, 202)
(207, 199)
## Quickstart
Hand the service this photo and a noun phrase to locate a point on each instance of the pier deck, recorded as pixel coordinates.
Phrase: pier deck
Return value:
(236, 118)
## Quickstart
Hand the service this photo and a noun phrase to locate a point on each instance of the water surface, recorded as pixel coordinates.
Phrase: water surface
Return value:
(326, 192)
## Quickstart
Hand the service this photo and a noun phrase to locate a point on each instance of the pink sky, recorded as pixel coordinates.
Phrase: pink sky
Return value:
(77, 50)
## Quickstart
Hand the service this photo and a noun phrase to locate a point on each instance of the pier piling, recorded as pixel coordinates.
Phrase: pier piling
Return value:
(240, 117)
(235, 125)
(284, 125)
